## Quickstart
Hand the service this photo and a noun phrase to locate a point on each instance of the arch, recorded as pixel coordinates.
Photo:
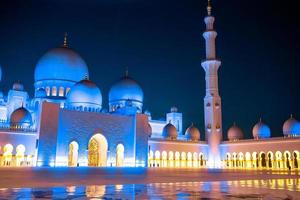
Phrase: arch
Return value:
(263, 159)
(7, 154)
(195, 159)
(20, 155)
(254, 159)
(171, 158)
(164, 157)
(228, 160)
(241, 159)
(270, 159)
(183, 159)
(234, 159)
(54, 91)
(296, 158)
(287, 159)
(151, 163)
(67, 90)
(120, 155)
(201, 159)
(61, 91)
(177, 159)
(73, 154)
(189, 159)
(157, 159)
(248, 159)
(278, 159)
(97, 151)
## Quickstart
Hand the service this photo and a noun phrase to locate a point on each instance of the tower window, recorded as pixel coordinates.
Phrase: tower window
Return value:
(54, 91)
(61, 92)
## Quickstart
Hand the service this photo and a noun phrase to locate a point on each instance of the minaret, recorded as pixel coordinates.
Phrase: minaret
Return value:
(212, 100)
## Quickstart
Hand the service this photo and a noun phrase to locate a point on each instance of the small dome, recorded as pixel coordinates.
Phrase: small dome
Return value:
(235, 133)
(41, 93)
(85, 93)
(18, 86)
(61, 63)
(170, 131)
(291, 127)
(261, 130)
(192, 133)
(126, 92)
(21, 116)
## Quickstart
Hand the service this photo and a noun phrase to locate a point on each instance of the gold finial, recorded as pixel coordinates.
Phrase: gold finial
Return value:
(209, 7)
(66, 40)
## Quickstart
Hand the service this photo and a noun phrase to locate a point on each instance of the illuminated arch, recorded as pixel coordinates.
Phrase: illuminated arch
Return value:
(97, 151)
(61, 92)
(150, 159)
(189, 159)
(195, 159)
(201, 159)
(279, 160)
(120, 155)
(270, 159)
(177, 159)
(171, 158)
(7, 154)
(164, 158)
(287, 159)
(73, 154)
(183, 159)
(248, 160)
(157, 159)
(255, 159)
(20, 155)
(263, 159)
(234, 159)
(54, 91)
(296, 159)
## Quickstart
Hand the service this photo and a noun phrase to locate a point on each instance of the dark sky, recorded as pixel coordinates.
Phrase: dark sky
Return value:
(161, 43)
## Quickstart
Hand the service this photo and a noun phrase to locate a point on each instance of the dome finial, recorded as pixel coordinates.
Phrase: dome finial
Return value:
(209, 7)
(86, 77)
(66, 40)
(291, 115)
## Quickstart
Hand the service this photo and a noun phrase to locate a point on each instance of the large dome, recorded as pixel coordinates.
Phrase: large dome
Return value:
(235, 133)
(170, 132)
(291, 127)
(61, 63)
(192, 133)
(21, 117)
(261, 130)
(86, 94)
(126, 91)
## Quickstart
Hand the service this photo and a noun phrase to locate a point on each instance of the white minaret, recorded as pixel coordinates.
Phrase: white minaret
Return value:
(212, 100)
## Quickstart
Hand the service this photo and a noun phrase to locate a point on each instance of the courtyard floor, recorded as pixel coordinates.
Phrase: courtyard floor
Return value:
(50, 177)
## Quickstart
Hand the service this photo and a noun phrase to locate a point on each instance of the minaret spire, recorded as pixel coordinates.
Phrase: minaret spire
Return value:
(209, 7)
(66, 40)
(212, 100)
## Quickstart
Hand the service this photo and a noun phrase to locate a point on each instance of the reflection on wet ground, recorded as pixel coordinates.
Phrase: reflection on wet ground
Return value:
(287, 189)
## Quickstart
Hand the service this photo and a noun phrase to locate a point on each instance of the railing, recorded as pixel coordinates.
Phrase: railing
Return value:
(4, 125)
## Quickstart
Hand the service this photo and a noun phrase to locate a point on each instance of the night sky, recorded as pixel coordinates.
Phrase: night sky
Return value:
(161, 44)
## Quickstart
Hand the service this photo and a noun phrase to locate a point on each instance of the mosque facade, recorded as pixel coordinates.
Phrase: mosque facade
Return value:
(65, 124)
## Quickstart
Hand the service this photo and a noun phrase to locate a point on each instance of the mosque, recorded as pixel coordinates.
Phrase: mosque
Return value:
(65, 123)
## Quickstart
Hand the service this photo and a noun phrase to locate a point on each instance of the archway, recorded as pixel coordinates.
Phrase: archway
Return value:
(270, 158)
(278, 156)
(254, 160)
(73, 154)
(296, 159)
(189, 159)
(97, 151)
(248, 160)
(241, 160)
(20, 155)
(228, 160)
(195, 159)
(287, 159)
(234, 158)
(263, 161)
(201, 160)
(171, 159)
(120, 155)
(164, 156)
(7, 155)
(150, 158)
(157, 159)
(177, 159)
(183, 159)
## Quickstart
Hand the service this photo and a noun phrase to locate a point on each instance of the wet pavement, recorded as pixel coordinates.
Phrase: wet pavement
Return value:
(276, 189)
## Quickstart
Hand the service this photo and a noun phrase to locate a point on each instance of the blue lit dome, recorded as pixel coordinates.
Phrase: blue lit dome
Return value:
(61, 63)
(126, 92)
(291, 127)
(85, 95)
(235, 133)
(192, 133)
(21, 117)
(261, 130)
(170, 132)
